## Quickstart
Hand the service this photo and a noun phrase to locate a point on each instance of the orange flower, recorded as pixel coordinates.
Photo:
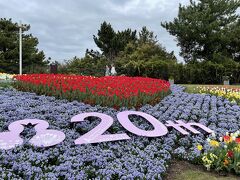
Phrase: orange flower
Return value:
(227, 139)
(226, 162)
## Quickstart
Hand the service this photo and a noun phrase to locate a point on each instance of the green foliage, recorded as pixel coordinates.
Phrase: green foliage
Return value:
(5, 84)
(145, 57)
(206, 72)
(135, 57)
(207, 28)
(142, 55)
(146, 36)
(153, 68)
(87, 66)
(9, 49)
(111, 42)
(210, 73)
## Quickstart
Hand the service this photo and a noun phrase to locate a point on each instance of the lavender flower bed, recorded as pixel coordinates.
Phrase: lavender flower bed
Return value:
(140, 157)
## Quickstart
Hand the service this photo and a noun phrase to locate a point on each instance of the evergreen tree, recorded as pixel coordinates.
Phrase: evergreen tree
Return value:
(146, 36)
(146, 47)
(111, 42)
(104, 39)
(93, 54)
(146, 52)
(207, 29)
(9, 48)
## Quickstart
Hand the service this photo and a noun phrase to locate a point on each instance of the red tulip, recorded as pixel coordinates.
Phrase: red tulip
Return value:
(230, 154)
(237, 140)
(121, 87)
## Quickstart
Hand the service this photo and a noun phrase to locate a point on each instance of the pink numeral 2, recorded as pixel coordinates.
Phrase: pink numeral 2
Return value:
(44, 137)
(159, 128)
(96, 134)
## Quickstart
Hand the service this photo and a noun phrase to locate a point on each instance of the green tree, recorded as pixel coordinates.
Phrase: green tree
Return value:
(207, 28)
(9, 49)
(146, 47)
(146, 36)
(87, 66)
(111, 42)
(140, 56)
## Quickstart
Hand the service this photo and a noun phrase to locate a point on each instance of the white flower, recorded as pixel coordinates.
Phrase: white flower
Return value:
(213, 134)
(220, 139)
(233, 101)
(237, 132)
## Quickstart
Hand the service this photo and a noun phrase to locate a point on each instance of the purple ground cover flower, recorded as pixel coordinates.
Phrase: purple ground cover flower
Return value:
(138, 158)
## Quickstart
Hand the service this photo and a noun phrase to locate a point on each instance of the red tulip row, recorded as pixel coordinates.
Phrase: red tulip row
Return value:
(114, 91)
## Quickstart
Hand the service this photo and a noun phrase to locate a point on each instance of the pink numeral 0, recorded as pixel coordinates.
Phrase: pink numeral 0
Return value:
(159, 128)
(96, 134)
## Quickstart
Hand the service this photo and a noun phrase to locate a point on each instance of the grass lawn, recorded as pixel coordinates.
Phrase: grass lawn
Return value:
(198, 175)
(182, 170)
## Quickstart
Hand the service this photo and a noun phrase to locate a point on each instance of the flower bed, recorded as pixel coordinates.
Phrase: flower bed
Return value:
(6, 77)
(233, 94)
(223, 154)
(113, 91)
(139, 158)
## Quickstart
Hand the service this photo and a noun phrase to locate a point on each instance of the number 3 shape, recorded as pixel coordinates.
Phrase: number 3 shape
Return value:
(43, 138)
(96, 134)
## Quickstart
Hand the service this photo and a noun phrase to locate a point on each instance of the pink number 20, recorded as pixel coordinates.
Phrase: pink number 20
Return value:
(96, 134)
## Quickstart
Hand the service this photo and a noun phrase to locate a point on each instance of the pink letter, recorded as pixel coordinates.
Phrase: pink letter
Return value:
(187, 126)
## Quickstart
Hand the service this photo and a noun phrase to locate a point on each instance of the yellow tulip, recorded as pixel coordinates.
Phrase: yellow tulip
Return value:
(214, 143)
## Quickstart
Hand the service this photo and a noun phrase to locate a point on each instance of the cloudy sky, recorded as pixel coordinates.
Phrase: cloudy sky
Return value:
(65, 28)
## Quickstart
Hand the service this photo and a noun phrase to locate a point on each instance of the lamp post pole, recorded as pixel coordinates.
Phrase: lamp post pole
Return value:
(20, 48)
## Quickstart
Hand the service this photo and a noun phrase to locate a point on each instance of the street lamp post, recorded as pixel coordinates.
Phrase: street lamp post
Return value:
(20, 48)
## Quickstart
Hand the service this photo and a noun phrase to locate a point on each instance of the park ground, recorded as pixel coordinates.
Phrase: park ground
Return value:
(183, 170)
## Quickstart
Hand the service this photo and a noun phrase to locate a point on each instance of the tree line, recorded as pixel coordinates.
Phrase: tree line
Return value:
(34, 60)
(207, 32)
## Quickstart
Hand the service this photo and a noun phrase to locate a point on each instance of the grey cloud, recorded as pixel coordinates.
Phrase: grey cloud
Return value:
(65, 28)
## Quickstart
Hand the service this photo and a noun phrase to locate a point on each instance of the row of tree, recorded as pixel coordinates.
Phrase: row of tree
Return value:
(129, 54)
(205, 30)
